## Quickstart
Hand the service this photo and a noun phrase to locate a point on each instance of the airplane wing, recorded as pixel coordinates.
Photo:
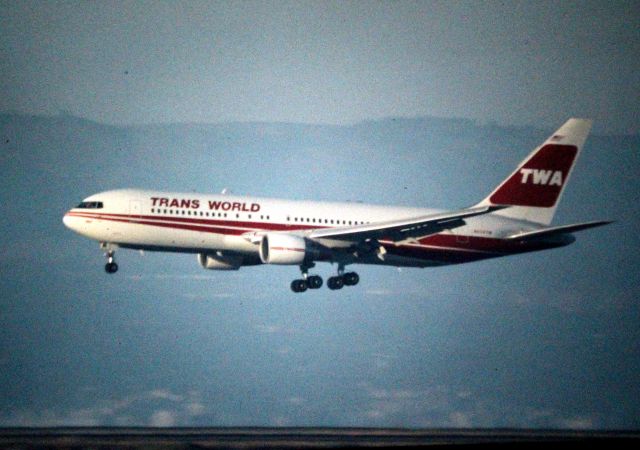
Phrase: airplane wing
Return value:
(399, 230)
(551, 231)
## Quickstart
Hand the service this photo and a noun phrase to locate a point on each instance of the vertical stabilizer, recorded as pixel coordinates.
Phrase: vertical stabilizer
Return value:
(533, 190)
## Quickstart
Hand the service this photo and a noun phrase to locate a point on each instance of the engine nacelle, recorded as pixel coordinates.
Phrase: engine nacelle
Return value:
(286, 249)
(218, 261)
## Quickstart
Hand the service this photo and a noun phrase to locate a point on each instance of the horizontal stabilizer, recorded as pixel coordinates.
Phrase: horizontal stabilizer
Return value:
(554, 231)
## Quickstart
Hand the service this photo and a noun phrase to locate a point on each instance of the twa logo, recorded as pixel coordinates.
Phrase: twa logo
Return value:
(543, 177)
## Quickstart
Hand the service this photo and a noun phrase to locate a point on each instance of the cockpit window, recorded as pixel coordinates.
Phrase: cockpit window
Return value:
(90, 205)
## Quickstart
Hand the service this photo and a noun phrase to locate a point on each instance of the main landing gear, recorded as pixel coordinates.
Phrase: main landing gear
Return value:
(307, 282)
(315, 281)
(347, 279)
(110, 266)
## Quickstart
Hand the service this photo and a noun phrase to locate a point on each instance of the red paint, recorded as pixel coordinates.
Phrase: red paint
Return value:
(541, 190)
(444, 248)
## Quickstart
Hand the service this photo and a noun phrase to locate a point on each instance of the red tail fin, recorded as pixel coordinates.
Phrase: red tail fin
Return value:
(534, 189)
(539, 181)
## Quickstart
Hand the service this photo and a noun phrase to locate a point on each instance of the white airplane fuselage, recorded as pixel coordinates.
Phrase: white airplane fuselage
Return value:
(228, 232)
(196, 223)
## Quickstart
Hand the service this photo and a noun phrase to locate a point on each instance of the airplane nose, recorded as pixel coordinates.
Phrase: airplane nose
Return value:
(67, 220)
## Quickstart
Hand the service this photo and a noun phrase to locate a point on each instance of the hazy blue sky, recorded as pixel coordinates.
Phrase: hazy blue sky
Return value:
(547, 339)
(514, 62)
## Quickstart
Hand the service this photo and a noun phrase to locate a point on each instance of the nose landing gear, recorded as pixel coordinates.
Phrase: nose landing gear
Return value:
(111, 266)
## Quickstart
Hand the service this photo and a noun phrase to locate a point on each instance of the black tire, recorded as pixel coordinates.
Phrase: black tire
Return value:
(314, 282)
(298, 286)
(335, 283)
(111, 267)
(351, 279)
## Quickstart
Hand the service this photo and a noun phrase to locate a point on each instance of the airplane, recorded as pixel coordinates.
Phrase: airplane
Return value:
(227, 232)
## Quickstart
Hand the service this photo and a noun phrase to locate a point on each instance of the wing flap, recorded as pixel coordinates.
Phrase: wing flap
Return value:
(403, 228)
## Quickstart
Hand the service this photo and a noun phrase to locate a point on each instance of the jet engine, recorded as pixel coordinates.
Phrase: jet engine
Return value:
(219, 261)
(287, 249)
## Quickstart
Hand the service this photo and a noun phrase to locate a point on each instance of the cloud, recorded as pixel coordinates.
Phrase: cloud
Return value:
(577, 423)
(444, 406)
(162, 418)
(165, 395)
(168, 409)
(431, 406)
(281, 421)
(435, 406)
(268, 329)
(459, 419)
(52, 418)
(195, 409)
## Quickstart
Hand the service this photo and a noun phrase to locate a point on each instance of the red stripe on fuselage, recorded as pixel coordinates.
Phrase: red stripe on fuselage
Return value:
(258, 226)
(180, 226)
(447, 248)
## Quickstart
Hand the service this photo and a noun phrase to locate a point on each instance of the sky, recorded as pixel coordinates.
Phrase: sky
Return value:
(320, 101)
(514, 63)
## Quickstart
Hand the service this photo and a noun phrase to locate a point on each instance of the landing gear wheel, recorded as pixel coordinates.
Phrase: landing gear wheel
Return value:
(351, 279)
(299, 285)
(314, 282)
(111, 266)
(334, 283)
